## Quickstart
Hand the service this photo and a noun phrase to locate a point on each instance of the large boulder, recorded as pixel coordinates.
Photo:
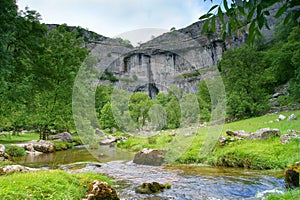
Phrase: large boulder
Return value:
(99, 132)
(3, 155)
(41, 146)
(9, 169)
(62, 137)
(292, 176)
(108, 140)
(101, 191)
(152, 188)
(264, 133)
(149, 157)
(286, 138)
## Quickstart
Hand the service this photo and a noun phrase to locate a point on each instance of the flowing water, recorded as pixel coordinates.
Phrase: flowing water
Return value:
(187, 182)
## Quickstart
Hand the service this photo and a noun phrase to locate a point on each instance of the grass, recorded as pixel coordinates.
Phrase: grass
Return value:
(9, 138)
(289, 195)
(54, 184)
(255, 154)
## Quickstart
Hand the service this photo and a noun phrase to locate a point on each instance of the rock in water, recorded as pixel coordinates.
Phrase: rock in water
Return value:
(149, 157)
(101, 191)
(292, 176)
(62, 137)
(152, 188)
(42, 146)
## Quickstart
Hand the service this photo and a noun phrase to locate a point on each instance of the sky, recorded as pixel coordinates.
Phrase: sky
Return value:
(114, 18)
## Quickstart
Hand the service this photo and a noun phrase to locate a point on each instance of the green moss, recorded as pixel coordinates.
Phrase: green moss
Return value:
(47, 185)
(59, 146)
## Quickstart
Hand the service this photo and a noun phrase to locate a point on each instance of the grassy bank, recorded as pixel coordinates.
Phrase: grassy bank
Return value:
(256, 154)
(289, 195)
(9, 138)
(47, 185)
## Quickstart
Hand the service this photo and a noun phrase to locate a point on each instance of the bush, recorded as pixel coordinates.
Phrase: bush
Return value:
(59, 146)
(15, 151)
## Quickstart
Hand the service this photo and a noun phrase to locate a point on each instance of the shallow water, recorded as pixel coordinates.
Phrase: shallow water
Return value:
(188, 182)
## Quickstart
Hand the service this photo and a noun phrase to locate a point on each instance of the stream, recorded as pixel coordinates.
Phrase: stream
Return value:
(187, 182)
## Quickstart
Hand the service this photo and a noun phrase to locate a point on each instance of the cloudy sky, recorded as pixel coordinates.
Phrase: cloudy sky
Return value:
(114, 17)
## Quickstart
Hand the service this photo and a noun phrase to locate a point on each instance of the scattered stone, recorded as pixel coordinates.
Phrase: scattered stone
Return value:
(3, 156)
(9, 169)
(281, 117)
(222, 140)
(62, 137)
(99, 132)
(264, 133)
(101, 191)
(152, 188)
(240, 133)
(286, 138)
(108, 140)
(42, 146)
(149, 157)
(292, 176)
(292, 117)
(232, 136)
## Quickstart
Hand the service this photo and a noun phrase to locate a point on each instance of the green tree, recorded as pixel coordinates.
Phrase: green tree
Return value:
(54, 75)
(249, 15)
(204, 101)
(245, 78)
(107, 119)
(139, 106)
(173, 113)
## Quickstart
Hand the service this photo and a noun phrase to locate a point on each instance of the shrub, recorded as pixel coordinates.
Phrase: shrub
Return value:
(15, 151)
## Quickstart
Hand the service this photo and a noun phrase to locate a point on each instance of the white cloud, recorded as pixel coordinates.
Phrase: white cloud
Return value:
(113, 17)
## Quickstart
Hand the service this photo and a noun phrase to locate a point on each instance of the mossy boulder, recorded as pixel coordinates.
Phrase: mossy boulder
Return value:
(152, 188)
(100, 191)
(292, 176)
(147, 156)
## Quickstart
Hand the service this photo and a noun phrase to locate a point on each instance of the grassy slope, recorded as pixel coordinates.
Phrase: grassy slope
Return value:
(265, 154)
(8, 138)
(47, 185)
(289, 195)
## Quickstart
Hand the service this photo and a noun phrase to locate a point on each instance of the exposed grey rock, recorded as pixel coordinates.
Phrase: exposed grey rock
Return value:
(240, 133)
(42, 146)
(149, 157)
(152, 188)
(286, 138)
(264, 133)
(9, 169)
(222, 140)
(292, 117)
(99, 132)
(291, 177)
(62, 137)
(3, 155)
(281, 117)
(101, 190)
(108, 140)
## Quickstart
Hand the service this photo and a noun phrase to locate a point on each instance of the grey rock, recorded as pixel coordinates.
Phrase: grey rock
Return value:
(152, 188)
(108, 140)
(292, 117)
(281, 117)
(264, 133)
(42, 146)
(99, 132)
(62, 137)
(101, 190)
(9, 169)
(286, 138)
(149, 157)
